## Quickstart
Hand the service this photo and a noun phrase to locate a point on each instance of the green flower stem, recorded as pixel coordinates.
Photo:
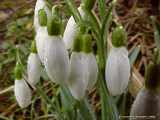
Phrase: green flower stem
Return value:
(109, 110)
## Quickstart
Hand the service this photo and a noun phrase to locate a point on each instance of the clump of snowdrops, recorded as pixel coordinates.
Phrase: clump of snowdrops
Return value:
(69, 60)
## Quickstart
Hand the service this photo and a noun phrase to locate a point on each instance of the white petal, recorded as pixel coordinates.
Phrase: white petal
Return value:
(40, 4)
(71, 30)
(56, 60)
(92, 70)
(77, 83)
(117, 71)
(22, 93)
(40, 38)
(33, 69)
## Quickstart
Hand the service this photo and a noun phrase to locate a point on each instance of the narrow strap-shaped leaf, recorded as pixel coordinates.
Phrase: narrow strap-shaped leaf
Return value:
(74, 11)
(101, 7)
(85, 110)
(133, 55)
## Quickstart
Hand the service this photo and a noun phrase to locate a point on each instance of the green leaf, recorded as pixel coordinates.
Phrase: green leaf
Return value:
(67, 99)
(133, 55)
(101, 7)
(85, 110)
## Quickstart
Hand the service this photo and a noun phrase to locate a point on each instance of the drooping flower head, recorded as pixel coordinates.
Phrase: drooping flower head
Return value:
(56, 57)
(21, 89)
(83, 67)
(117, 71)
(33, 66)
(147, 101)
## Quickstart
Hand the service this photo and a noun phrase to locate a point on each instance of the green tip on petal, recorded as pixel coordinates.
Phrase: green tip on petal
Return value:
(152, 77)
(77, 45)
(42, 17)
(119, 37)
(87, 43)
(33, 47)
(18, 71)
(88, 4)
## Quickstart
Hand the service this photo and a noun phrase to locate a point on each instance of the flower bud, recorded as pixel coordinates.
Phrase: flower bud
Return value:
(117, 71)
(42, 17)
(33, 69)
(77, 80)
(22, 93)
(40, 39)
(56, 60)
(92, 68)
(119, 37)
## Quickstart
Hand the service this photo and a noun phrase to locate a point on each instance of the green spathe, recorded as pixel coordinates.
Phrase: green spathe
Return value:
(18, 71)
(42, 17)
(87, 43)
(33, 47)
(119, 37)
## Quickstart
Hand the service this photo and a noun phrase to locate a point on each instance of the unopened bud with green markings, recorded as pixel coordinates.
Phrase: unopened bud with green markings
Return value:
(87, 43)
(18, 71)
(33, 47)
(119, 37)
(42, 17)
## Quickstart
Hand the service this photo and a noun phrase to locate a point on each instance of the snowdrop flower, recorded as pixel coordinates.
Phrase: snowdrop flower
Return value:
(33, 66)
(56, 57)
(21, 89)
(148, 99)
(71, 30)
(40, 38)
(117, 71)
(92, 67)
(83, 68)
(76, 83)
(40, 5)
